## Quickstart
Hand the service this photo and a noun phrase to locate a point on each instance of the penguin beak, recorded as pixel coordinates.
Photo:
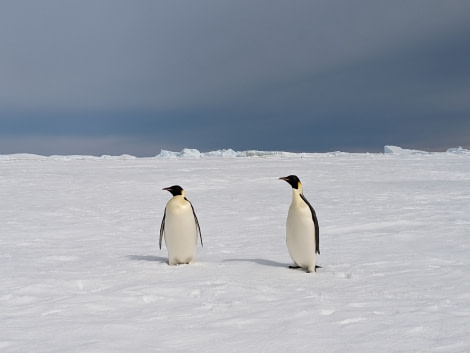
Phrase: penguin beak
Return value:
(170, 189)
(284, 178)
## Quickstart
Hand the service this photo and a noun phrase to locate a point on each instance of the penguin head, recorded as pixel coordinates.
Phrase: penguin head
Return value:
(294, 181)
(175, 190)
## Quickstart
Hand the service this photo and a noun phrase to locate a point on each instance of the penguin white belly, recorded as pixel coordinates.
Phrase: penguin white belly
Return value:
(180, 233)
(300, 236)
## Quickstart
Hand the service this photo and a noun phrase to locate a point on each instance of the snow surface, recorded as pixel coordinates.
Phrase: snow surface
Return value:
(81, 269)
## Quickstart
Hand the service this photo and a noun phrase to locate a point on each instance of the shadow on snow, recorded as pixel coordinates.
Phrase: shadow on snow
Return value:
(260, 262)
(148, 258)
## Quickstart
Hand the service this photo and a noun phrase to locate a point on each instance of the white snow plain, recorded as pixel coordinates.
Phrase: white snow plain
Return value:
(81, 270)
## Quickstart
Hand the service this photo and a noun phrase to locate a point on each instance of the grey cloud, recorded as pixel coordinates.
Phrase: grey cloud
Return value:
(160, 55)
(347, 74)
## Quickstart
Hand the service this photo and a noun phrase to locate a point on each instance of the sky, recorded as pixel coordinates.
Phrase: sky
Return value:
(134, 77)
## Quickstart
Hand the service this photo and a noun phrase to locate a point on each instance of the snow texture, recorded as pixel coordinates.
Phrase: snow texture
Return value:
(81, 270)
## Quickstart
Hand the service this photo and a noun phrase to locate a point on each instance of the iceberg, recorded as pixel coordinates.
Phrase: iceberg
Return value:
(401, 151)
(192, 153)
(458, 150)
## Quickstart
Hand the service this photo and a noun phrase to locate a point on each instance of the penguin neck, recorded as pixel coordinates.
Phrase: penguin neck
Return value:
(181, 196)
(296, 193)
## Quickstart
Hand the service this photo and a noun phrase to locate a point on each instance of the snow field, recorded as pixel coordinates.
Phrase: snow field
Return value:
(81, 269)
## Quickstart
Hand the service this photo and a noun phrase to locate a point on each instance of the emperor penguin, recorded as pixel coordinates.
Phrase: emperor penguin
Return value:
(302, 230)
(180, 227)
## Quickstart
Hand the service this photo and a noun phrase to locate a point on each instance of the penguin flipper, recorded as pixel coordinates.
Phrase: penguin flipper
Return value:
(196, 220)
(162, 229)
(315, 222)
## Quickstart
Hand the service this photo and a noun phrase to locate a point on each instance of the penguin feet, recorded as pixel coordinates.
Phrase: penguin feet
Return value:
(308, 269)
(294, 266)
(175, 262)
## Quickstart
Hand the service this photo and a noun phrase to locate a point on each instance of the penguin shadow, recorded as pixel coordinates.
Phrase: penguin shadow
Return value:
(263, 262)
(148, 258)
